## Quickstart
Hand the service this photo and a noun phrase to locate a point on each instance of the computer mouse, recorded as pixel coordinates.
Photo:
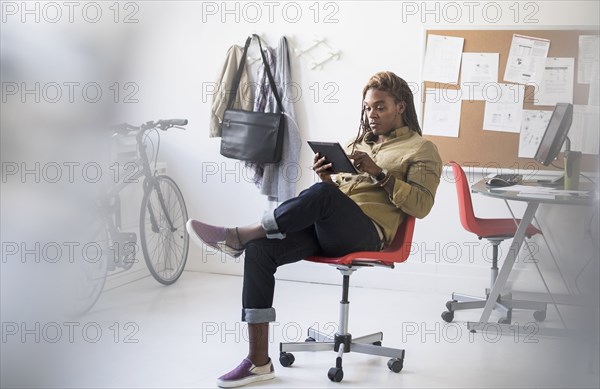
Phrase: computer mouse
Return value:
(498, 182)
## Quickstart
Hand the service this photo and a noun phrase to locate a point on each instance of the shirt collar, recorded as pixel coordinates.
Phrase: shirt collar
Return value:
(401, 133)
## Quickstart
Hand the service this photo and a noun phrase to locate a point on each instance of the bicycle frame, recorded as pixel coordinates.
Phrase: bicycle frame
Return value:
(164, 223)
(150, 182)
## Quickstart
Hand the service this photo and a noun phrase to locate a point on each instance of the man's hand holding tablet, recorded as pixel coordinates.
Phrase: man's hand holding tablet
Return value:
(331, 158)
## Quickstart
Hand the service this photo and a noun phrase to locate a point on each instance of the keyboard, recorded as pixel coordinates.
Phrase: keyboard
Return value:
(504, 180)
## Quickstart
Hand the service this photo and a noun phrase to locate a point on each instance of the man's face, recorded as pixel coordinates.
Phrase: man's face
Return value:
(383, 113)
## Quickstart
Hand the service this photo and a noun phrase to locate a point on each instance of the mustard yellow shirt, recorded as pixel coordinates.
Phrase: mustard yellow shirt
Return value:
(415, 166)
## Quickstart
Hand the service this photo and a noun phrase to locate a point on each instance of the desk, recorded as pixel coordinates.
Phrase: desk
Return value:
(533, 202)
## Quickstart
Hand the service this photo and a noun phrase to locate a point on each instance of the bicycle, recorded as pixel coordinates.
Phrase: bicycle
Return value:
(163, 214)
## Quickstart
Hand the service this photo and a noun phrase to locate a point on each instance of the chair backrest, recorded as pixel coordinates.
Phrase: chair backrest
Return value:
(483, 228)
(465, 205)
(398, 250)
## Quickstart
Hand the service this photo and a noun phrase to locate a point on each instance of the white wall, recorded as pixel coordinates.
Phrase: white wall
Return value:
(178, 50)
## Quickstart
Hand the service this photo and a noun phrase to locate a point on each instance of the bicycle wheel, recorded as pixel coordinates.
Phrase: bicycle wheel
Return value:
(165, 249)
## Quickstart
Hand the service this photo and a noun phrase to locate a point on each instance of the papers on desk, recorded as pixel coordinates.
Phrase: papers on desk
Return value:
(548, 196)
(541, 192)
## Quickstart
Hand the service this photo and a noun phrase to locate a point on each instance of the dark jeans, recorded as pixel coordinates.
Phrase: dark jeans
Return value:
(320, 221)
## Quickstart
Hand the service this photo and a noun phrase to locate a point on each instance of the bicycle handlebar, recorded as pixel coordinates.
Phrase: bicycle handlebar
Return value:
(161, 124)
(173, 122)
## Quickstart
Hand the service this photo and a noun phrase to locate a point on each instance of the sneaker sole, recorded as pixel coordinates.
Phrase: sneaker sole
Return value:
(246, 381)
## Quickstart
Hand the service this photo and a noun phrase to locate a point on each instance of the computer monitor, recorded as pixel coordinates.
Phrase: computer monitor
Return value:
(555, 134)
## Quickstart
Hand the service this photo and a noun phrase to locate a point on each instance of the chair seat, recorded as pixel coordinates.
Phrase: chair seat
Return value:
(362, 256)
(397, 251)
(488, 228)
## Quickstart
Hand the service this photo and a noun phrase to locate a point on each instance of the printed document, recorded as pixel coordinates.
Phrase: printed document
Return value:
(533, 127)
(557, 82)
(503, 112)
(526, 60)
(588, 57)
(478, 70)
(442, 59)
(442, 112)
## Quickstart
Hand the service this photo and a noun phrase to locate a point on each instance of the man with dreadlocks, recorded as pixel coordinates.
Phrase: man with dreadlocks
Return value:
(399, 174)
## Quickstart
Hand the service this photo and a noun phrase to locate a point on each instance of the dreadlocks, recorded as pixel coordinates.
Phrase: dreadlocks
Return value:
(400, 91)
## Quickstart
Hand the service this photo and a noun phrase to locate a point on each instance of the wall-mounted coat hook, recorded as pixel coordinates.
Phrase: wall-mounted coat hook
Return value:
(251, 59)
(302, 52)
(319, 65)
(315, 63)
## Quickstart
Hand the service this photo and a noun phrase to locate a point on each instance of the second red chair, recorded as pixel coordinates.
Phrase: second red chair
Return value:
(495, 231)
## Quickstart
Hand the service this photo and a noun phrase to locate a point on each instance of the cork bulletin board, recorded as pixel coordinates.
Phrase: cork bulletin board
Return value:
(477, 147)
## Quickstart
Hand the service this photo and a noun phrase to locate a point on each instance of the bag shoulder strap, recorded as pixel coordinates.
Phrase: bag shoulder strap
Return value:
(238, 74)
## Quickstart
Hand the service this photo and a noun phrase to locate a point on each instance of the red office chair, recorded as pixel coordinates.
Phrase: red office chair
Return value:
(342, 342)
(494, 230)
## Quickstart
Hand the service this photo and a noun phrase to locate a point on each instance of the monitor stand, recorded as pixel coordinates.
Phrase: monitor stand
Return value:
(572, 169)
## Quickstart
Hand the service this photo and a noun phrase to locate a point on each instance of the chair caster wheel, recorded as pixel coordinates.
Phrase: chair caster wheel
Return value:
(286, 359)
(539, 315)
(395, 364)
(310, 339)
(449, 304)
(335, 374)
(504, 320)
(378, 343)
(448, 316)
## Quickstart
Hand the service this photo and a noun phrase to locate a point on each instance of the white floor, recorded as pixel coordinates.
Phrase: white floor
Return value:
(185, 335)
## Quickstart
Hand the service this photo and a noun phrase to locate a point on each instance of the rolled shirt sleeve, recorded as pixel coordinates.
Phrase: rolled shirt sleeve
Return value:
(416, 195)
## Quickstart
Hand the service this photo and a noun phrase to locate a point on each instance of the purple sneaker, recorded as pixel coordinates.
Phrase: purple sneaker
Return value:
(211, 235)
(246, 373)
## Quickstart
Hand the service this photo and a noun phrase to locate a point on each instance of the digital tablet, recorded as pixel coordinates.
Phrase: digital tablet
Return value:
(335, 154)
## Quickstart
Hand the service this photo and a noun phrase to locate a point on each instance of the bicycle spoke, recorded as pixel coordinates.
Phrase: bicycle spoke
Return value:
(166, 249)
(171, 208)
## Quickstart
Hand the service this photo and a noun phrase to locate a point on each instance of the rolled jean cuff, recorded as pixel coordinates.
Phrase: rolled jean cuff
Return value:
(258, 315)
(269, 224)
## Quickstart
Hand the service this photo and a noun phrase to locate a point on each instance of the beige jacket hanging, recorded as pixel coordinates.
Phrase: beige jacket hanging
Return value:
(245, 95)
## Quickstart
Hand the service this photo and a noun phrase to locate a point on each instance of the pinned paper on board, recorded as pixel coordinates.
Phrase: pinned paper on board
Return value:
(478, 70)
(557, 82)
(588, 57)
(585, 133)
(503, 111)
(442, 59)
(442, 112)
(533, 126)
(526, 59)
(594, 94)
